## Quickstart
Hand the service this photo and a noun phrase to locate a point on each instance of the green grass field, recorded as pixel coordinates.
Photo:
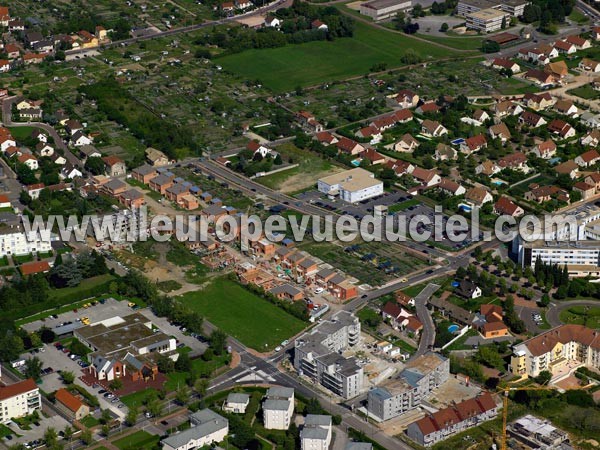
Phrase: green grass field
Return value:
(403, 205)
(581, 315)
(459, 43)
(285, 68)
(586, 91)
(137, 441)
(243, 315)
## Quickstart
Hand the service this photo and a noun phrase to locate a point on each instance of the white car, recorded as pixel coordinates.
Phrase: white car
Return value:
(278, 348)
(319, 290)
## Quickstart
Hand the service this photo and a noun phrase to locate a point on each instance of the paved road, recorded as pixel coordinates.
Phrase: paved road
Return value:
(58, 140)
(553, 313)
(428, 333)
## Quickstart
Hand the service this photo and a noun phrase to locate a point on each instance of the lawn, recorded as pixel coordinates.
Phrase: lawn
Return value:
(586, 92)
(90, 421)
(459, 43)
(582, 315)
(243, 315)
(199, 366)
(20, 133)
(136, 398)
(136, 441)
(578, 17)
(84, 286)
(4, 431)
(285, 68)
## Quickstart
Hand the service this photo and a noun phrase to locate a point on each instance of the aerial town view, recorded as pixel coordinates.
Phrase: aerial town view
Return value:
(300, 224)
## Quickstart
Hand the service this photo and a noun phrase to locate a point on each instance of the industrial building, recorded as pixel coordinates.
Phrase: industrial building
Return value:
(384, 9)
(352, 185)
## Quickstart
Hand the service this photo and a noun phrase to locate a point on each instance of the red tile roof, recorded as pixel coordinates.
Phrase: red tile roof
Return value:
(17, 388)
(69, 400)
(34, 267)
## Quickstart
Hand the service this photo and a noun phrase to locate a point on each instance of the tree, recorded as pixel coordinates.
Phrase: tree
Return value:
(200, 386)
(67, 377)
(444, 27)
(47, 335)
(544, 377)
(218, 340)
(503, 26)
(490, 47)
(132, 416)
(182, 395)
(531, 13)
(183, 363)
(33, 368)
(68, 433)
(105, 416)
(86, 437)
(106, 429)
(50, 437)
(115, 384)
(165, 364)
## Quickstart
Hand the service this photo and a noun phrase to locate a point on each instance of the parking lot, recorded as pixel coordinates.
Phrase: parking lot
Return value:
(366, 207)
(36, 432)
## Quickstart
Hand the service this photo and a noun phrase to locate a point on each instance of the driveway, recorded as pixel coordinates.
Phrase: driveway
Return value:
(36, 432)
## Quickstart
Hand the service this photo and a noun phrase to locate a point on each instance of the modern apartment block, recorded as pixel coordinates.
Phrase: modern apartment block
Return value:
(14, 240)
(278, 408)
(19, 399)
(486, 20)
(409, 388)
(555, 348)
(317, 355)
(514, 8)
(316, 433)
(206, 427)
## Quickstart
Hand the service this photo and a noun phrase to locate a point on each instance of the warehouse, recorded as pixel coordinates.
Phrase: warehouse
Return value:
(352, 185)
(384, 9)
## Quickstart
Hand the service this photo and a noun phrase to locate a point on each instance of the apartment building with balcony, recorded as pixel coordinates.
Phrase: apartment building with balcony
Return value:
(318, 356)
(19, 399)
(555, 348)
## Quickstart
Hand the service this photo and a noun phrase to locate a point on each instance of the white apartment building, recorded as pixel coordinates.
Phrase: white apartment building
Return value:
(352, 185)
(556, 348)
(19, 399)
(384, 9)
(278, 408)
(316, 432)
(317, 355)
(410, 388)
(486, 20)
(207, 427)
(14, 240)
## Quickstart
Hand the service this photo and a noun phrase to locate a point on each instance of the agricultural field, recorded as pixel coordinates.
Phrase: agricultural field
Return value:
(242, 314)
(283, 69)
(310, 168)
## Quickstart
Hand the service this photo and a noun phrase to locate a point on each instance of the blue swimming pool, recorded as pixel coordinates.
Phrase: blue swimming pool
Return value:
(455, 284)
(453, 328)
(465, 208)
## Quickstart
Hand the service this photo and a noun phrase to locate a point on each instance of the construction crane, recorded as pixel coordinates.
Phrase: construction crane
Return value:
(506, 391)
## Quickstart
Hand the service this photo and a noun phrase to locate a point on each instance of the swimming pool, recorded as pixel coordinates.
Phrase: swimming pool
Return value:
(453, 328)
(465, 208)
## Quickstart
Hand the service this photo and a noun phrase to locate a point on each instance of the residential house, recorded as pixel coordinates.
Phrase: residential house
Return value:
(406, 144)
(349, 146)
(531, 119)
(144, 173)
(507, 108)
(541, 194)
(400, 167)
(566, 107)
(451, 187)
(487, 168)
(70, 405)
(131, 198)
(373, 156)
(370, 132)
(468, 289)
(591, 139)
(236, 403)
(156, 158)
(427, 177)
(589, 65)
(514, 161)
(500, 131)
(433, 128)
(406, 99)
(89, 151)
(34, 267)
(73, 126)
(403, 116)
(507, 64)
(586, 190)
(273, 22)
(308, 121)
(436, 427)
(579, 42)
(481, 116)
(473, 144)
(286, 292)
(12, 51)
(79, 139)
(5, 65)
(70, 171)
(444, 152)
(590, 119)
(540, 77)
(587, 159)
(341, 288)
(428, 108)
(558, 69)
(33, 190)
(162, 182)
(6, 141)
(29, 160)
(114, 166)
(545, 150)
(395, 314)
(506, 207)
(478, 196)
(326, 138)
(561, 128)
(538, 102)
(569, 167)
(565, 47)
(30, 114)
(593, 179)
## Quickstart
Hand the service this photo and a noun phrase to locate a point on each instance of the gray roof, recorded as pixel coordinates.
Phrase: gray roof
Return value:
(285, 289)
(235, 397)
(320, 420)
(145, 170)
(314, 433)
(66, 329)
(280, 392)
(204, 423)
(161, 179)
(115, 183)
(278, 405)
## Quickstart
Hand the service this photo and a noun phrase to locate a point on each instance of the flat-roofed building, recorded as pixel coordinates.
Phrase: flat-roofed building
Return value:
(351, 185)
(316, 433)
(515, 8)
(486, 20)
(384, 9)
(278, 408)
